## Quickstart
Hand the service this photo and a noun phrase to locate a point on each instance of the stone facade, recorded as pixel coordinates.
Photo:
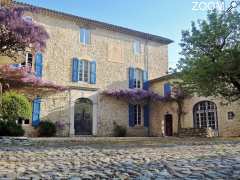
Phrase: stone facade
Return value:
(113, 53)
(226, 127)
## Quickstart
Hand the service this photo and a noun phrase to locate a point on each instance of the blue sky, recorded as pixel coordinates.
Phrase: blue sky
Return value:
(161, 17)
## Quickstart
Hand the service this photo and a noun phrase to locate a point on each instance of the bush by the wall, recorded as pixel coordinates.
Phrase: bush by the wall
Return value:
(10, 128)
(15, 105)
(47, 129)
(119, 131)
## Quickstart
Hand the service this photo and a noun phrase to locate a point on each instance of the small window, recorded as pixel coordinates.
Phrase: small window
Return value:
(231, 115)
(84, 71)
(136, 47)
(138, 82)
(84, 36)
(137, 115)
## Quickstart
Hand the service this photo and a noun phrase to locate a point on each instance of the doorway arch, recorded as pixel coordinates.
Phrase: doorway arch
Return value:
(83, 116)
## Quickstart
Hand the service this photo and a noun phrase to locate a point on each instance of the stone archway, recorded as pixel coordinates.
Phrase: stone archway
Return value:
(83, 116)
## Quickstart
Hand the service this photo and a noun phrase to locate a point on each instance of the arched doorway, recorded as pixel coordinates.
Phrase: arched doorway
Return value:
(83, 116)
(168, 125)
(205, 115)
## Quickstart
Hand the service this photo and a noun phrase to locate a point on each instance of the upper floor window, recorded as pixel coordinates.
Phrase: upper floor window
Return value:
(84, 71)
(138, 82)
(137, 47)
(167, 89)
(137, 115)
(84, 36)
(28, 61)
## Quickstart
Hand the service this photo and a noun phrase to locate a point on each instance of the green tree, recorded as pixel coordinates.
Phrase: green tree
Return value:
(15, 105)
(210, 63)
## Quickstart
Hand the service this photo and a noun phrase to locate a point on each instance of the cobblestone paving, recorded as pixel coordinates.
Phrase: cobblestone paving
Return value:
(220, 161)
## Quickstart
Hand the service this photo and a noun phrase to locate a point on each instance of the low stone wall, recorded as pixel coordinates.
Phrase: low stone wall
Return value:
(15, 141)
(197, 132)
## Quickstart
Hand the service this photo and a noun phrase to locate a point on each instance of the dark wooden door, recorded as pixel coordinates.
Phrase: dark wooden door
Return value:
(168, 125)
(83, 117)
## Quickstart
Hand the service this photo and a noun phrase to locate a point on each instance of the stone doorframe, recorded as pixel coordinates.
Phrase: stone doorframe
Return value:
(74, 96)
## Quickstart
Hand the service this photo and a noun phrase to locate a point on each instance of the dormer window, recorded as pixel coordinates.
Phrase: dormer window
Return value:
(84, 36)
(137, 47)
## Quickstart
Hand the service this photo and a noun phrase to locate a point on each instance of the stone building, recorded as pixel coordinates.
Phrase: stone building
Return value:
(215, 116)
(89, 57)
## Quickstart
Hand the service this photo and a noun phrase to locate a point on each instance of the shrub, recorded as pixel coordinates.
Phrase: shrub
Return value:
(15, 105)
(10, 128)
(119, 131)
(47, 129)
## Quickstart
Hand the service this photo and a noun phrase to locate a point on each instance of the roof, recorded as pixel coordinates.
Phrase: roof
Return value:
(100, 24)
(163, 78)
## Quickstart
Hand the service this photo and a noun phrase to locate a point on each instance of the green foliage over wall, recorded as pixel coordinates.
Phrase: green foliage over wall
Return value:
(15, 105)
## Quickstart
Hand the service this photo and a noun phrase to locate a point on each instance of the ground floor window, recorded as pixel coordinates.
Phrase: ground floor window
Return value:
(205, 115)
(137, 115)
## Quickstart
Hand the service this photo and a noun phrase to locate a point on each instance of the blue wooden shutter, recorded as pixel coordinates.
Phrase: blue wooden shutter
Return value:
(145, 80)
(36, 112)
(75, 67)
(38, 64)
(167, 89)
(146, 115)
(131, 115)
(131, 77)
(93, 72)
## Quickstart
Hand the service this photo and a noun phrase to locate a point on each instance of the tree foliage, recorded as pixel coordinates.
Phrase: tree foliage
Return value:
(17, 33)
(211, 56)
(15, 105)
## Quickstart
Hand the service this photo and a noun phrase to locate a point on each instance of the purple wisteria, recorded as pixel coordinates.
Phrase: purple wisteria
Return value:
(136, 95)
(17, 33)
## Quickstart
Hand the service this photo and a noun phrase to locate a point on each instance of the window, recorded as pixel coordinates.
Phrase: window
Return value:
(137, 115)
(28, 60)
(205, 115)
(84, 36)
(138, 81)
(231, 115)
(84, 71)
(137, 47)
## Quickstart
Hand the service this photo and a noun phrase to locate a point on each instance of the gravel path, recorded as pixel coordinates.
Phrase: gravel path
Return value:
(220, 161)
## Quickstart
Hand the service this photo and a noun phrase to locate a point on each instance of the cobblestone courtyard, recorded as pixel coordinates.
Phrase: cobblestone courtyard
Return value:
(158, 160)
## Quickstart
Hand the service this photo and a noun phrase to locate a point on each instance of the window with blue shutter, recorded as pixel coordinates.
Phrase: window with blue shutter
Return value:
(146, 115)
(131, 115)
(36, 112)
(93, 72)
(145, 80)
(38, 64)
(75, 71)
(131, 77)
(167, 89)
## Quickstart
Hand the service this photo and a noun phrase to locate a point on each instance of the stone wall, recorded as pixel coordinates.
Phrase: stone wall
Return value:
(226, 127)
(113, 53)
